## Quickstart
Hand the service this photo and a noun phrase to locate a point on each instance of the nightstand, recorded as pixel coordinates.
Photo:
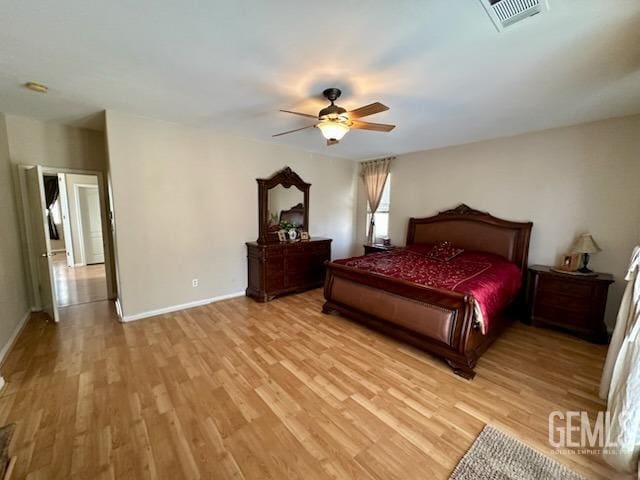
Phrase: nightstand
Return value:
(377, 247)
(572, 302)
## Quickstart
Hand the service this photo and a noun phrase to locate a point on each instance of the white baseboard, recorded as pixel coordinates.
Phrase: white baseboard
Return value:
(16, 331)
(175, 308)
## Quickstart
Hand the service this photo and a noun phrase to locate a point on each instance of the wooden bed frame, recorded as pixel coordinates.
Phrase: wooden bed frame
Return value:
(435, 320)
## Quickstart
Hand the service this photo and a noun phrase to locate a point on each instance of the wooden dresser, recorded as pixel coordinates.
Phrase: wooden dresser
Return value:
(571, 302)
(287, 267)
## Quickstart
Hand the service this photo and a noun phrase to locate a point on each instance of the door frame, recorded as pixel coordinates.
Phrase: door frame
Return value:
(108, 240)
(66, 220)
(79, 224)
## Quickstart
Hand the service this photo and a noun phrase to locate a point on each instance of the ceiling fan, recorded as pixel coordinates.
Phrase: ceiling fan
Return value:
(334, 121)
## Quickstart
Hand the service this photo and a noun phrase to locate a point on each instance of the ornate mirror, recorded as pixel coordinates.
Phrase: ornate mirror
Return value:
(283, 200)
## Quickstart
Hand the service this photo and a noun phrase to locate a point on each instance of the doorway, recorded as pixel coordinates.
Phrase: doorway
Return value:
(66, 222)
(79, 274)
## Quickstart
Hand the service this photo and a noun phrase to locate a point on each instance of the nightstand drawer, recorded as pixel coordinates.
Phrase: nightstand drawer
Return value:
(567, 300)
(562, 315)
(565, 287)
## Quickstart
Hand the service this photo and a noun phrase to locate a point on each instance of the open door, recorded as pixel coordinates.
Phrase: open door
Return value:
(42, 245)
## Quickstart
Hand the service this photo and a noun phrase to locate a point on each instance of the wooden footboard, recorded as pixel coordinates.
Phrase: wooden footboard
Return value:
(438, 321)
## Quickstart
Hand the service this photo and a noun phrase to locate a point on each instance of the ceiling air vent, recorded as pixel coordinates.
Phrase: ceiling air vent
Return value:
(504, 13)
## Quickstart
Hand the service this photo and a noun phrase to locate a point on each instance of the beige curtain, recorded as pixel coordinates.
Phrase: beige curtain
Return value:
(621, 377)
(374, 175)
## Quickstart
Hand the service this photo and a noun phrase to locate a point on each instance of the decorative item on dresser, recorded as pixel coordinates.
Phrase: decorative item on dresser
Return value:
(573, 303)
(377, 247)
(277, 266)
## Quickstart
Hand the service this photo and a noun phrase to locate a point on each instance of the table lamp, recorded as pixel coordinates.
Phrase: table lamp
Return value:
(586, 246)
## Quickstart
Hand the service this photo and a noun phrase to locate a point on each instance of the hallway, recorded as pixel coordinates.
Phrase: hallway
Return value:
(78, 285)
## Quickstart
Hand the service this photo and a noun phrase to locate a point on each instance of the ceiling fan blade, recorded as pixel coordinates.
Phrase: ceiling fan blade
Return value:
(301, 114)
(291, 131)
(378, 127)
(370, 109)
(332, 142)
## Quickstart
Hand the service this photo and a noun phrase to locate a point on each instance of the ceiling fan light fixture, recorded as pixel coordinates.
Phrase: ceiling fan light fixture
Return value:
(334, 121)
(332, 130)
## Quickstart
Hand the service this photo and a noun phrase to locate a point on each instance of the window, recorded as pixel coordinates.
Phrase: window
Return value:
(381, 229)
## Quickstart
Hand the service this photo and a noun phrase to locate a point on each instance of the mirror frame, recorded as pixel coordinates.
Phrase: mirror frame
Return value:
(287, 178)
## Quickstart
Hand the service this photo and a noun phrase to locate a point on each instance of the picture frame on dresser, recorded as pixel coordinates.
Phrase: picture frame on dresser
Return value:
(569, 263)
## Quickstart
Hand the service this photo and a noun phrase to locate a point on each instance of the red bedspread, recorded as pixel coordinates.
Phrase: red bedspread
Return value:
(490, 279)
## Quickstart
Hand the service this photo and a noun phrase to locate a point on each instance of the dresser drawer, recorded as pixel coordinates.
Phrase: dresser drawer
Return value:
(275, 281)
(305, 248)
(274, 273)
(297, 264)
(323, 248)
(275, 251)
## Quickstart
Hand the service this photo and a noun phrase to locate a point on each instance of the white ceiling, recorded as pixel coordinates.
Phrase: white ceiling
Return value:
(440, 65)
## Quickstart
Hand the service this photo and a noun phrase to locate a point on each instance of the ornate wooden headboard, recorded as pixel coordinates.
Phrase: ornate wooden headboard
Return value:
(474, 230)
(294, 215)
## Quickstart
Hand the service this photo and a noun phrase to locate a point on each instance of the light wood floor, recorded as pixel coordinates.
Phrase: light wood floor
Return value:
(243, 390)
(76, 285)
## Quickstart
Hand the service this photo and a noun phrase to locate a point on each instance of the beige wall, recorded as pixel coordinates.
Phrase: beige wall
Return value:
(185, 202)
(566, 181)
(32, 142)
(14, 301)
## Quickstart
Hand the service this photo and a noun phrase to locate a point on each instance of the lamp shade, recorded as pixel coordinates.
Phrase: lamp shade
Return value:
(333, 130)
(585, 244)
